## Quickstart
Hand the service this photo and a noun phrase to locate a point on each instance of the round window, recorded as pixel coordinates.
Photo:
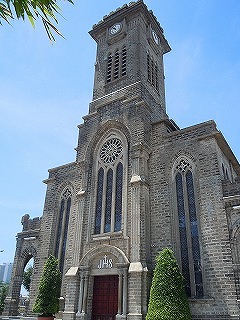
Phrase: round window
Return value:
(111, 150)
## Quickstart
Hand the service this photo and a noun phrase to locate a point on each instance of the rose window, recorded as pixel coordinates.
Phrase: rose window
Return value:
(111, 150)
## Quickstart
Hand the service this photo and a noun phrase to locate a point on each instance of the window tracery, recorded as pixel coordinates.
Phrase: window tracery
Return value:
(111, 150)
(235, 245)
(108, 211)
(62, 227)
(188, 229)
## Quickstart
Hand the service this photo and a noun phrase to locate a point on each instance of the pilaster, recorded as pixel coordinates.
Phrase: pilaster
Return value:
(72, 280)
(139, 189)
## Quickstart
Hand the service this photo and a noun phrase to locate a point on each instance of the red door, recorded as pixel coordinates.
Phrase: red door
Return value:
(105, 298)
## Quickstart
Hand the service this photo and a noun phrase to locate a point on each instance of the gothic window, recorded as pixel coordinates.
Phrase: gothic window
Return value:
(62, 227)
(98, 215)
(116, 64)
(118, 198)
(152, 72)
(108, 211)
(188, 230)
(108, 206)
(235, 244)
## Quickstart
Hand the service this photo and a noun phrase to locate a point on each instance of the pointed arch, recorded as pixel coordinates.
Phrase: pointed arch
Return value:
(110, 156)
(93, 253)
(235, 244)
(62, 225)
(187, 226)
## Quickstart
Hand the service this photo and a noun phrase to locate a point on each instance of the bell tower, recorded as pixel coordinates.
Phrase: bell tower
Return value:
(130, 49)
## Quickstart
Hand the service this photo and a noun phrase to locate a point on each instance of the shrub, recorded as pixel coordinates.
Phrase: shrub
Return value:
(3, 295)
(47, 302)
(168, 300)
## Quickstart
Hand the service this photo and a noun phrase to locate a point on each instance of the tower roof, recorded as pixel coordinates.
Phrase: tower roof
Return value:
(126, 10)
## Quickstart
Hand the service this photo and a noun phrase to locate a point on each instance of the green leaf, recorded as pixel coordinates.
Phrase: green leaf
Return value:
(47, 10)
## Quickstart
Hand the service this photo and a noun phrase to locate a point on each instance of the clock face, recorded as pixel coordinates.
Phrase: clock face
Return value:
(115, 28)
(155, 37)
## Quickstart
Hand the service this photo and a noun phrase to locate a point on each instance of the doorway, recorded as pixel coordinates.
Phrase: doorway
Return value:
(105, 297)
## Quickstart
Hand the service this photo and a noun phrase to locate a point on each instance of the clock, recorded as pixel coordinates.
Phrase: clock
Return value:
(155, 37)
(115, 28)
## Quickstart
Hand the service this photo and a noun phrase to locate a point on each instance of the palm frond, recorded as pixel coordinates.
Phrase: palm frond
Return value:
(46, 10)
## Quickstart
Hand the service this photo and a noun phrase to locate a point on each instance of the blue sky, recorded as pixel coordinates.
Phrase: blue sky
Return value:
(46, 89)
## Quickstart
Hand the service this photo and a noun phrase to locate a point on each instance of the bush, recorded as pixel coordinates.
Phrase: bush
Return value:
(168, 300)
(3, 295)
(47, 302)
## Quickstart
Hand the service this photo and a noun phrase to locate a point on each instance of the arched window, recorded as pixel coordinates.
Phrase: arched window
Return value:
(235, 244)
(62, 227)
(99, 203)
(108, 205)
(188, 230)
(118, 198)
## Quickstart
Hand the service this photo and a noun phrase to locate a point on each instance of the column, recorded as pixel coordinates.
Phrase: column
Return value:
(139, 219)
(120, 292)
(125, 293)
(85, 292)
(78, 227)
(80, 298)
(72, 280)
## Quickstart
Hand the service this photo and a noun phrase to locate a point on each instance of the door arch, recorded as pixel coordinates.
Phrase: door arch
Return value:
(107, 265)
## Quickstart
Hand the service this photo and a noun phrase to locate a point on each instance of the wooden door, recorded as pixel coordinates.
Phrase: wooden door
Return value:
(105, 297)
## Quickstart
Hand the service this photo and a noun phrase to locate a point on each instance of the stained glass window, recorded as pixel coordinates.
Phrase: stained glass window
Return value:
(108, 211)
(108, 208)
(194, 234)
(62, 229)
(118, 198)
(98, 215)
(183, 233)
(65, 232)
(111, 150)
(59, 229)
(188, 231)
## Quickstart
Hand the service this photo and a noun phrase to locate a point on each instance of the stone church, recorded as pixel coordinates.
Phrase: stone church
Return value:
(139, 184)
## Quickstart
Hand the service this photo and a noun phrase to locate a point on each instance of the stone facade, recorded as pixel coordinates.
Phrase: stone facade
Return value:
(139, 184)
